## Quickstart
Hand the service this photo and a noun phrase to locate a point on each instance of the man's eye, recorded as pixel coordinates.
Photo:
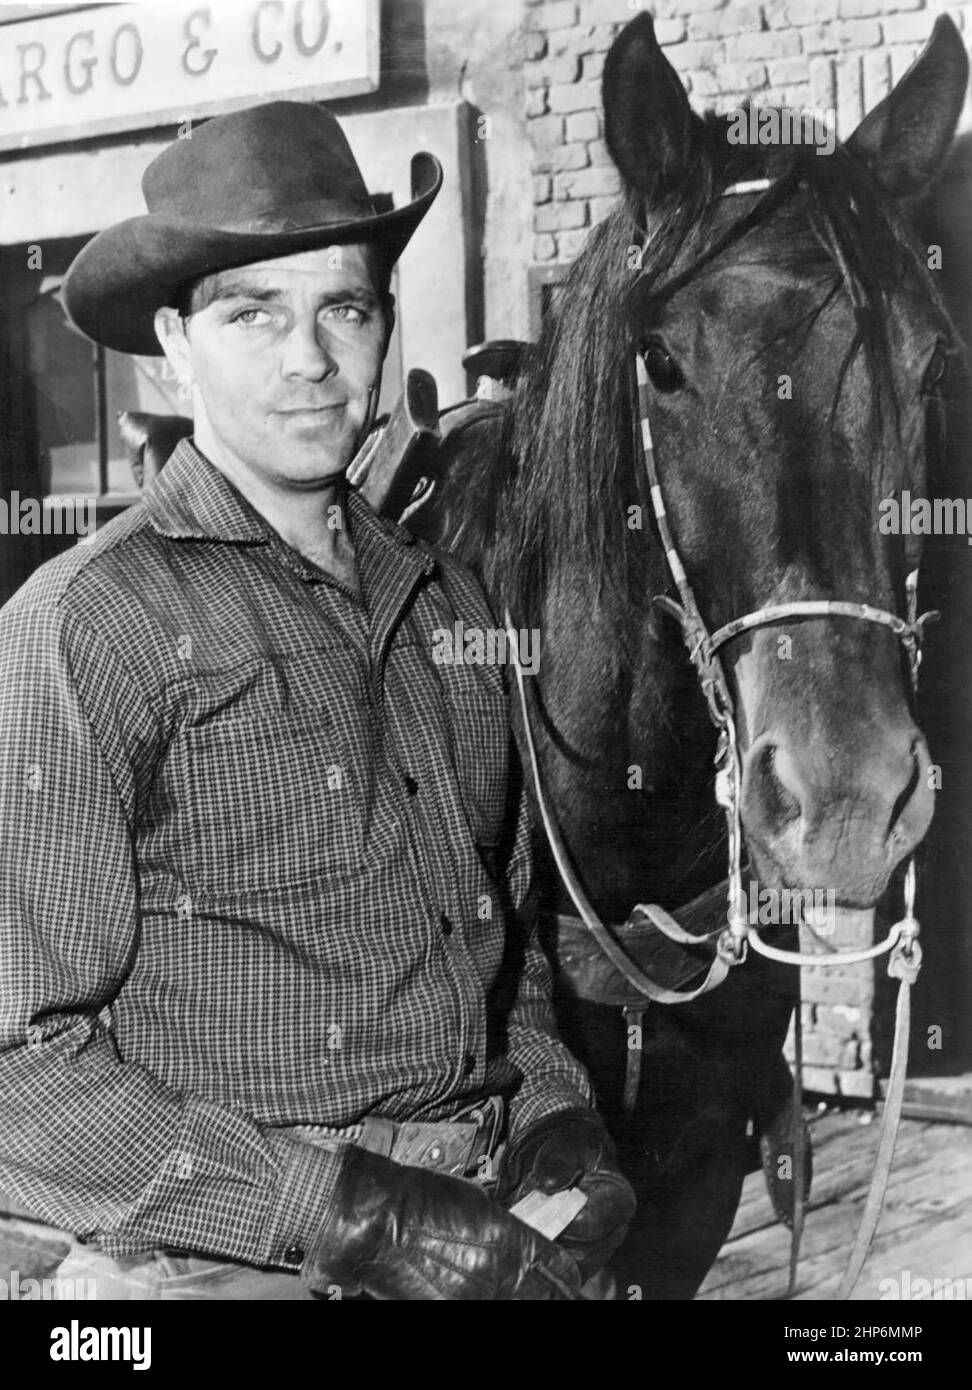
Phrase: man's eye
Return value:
(248, 316)
(348, 313)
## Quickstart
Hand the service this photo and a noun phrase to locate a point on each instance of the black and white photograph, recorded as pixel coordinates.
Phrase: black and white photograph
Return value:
(486, 666)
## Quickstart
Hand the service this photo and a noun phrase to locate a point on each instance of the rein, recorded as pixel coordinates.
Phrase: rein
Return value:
(732, 943)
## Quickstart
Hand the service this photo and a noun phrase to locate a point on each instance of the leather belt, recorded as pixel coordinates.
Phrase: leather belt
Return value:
(465, 1146)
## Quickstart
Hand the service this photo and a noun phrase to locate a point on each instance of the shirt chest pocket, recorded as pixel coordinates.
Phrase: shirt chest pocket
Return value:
(481, 739)
(268, 806)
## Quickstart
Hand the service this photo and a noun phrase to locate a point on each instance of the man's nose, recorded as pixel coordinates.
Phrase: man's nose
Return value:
(306, 353)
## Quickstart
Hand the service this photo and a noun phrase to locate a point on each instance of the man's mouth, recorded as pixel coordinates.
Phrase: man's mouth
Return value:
(311, 412)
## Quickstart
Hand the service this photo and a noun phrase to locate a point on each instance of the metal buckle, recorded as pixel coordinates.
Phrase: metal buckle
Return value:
(732, 947)
(904, 962)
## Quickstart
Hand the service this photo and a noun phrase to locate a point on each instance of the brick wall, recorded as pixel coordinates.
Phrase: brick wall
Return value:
(844, 1034)
(841, 55)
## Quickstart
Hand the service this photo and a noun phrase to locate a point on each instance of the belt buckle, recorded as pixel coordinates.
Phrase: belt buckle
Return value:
(462, 1146)
(489, 1117)
(445, 1146)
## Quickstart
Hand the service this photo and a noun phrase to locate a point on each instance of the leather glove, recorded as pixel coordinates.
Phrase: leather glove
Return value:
(398, 1232)
(572, 1148)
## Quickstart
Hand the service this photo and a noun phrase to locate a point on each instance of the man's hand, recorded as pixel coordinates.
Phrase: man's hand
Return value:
(572, 1148)
(398, 1232)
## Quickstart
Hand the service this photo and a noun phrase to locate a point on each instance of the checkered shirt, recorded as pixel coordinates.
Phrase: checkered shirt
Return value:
(257, 871)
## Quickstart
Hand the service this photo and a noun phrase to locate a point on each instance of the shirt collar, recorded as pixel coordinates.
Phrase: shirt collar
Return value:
(192, 500)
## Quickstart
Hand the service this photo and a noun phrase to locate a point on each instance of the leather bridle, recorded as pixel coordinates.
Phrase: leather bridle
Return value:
(731, 943)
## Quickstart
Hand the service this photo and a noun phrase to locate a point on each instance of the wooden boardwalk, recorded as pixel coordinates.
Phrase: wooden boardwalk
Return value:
(925, 1228)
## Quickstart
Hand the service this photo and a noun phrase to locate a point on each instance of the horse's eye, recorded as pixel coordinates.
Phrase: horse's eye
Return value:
(662, 367)
(935, 371)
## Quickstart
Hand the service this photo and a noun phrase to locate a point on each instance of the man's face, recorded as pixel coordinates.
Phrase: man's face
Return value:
(282, 358)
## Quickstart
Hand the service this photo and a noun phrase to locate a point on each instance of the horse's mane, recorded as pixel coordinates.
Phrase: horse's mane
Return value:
(569, 470)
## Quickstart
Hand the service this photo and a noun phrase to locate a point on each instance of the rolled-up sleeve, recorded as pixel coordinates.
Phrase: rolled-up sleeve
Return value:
(88, 1140)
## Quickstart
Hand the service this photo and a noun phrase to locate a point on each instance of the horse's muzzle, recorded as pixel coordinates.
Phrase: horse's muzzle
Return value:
(836, 819)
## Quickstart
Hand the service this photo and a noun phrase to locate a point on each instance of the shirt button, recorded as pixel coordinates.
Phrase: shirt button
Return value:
(411, 786)
(446, 924)
(468, 1064)
(293, 1255)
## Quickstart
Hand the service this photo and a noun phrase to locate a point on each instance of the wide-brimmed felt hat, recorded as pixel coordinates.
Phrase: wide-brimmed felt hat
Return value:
(269, 181)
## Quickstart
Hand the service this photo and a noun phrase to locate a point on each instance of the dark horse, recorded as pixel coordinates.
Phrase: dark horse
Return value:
(794, 340)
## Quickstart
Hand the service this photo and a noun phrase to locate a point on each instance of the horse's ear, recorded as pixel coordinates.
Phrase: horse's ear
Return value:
(648, 123)
(907, 135)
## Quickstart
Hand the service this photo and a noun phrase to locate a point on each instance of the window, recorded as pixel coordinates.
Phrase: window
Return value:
(76, 389)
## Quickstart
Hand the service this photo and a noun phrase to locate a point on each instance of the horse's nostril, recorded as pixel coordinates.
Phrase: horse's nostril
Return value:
(781, 804)
(895, 829)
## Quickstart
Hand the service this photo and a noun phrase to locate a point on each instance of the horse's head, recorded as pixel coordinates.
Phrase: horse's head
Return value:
(793, 339)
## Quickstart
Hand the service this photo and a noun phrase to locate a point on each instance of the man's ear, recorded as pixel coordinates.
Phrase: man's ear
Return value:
(170, 330)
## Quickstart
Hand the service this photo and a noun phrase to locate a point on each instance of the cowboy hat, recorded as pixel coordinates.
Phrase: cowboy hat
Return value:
(245, 187)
